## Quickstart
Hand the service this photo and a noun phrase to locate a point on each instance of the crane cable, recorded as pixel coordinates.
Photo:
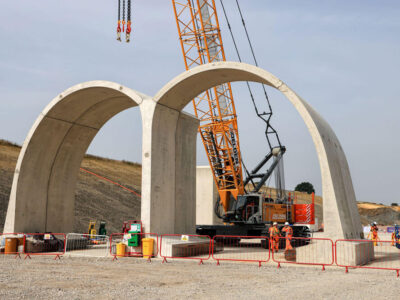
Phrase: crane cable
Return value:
(125, 4)
(128, 26)
(265, 116)
(119, 21)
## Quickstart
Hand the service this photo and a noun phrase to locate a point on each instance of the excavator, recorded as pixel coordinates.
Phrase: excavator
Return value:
(241, 205)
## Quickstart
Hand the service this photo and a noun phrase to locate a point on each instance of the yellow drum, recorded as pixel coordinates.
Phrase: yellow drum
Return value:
(121, 247)
(147, 244)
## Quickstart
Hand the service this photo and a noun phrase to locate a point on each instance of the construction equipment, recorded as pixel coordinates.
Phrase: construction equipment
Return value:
(102, 228)
(248, 210)
(92, 229)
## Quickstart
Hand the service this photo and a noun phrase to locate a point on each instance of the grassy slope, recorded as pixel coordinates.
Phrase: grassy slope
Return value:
(95, 199)
(99, 200)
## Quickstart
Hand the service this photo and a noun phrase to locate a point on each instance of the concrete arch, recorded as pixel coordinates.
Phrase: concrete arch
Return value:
(341, 218)
(42, 195)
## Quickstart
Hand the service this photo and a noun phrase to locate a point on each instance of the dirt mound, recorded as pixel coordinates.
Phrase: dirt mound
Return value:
(383, 215)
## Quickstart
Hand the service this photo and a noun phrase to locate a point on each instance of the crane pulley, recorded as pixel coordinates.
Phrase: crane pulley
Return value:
(123, 21)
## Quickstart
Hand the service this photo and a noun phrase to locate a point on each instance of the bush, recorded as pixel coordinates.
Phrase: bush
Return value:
(305, 187)
(395, 204)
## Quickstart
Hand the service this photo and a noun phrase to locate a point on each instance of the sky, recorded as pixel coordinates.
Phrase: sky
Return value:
(343, 57)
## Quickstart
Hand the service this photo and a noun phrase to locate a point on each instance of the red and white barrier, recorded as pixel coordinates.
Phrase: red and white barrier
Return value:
(240, 249)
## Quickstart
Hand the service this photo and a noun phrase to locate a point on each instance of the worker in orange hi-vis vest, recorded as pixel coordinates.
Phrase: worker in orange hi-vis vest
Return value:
(374, 233)
(288, 230)
(274, 237)
(394, 239)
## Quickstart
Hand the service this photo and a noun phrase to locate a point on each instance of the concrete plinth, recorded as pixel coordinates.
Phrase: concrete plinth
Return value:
(354, 253)
(174, 246)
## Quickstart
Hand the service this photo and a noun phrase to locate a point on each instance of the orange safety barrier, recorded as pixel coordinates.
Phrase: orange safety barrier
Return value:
(133, 245)
(44, 244)
(304, 251)
(240, 248)
(189, 246)
(366, 255)
(12, 244)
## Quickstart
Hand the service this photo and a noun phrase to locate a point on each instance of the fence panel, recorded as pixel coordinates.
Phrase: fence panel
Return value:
(240, 248)
(11, 244)
(44, 244)
(303, 251)
(189, 246)
(85, 245)
(134, 245)
(367, 254)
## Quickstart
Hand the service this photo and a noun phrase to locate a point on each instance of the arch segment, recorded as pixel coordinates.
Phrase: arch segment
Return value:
(42, 194)
(341, 218)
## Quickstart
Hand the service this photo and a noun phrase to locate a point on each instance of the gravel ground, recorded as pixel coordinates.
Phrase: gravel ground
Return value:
(86, 278)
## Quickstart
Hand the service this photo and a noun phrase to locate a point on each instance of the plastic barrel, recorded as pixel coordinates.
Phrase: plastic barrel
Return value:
(121, 249)
(147, 244)
(11, 245)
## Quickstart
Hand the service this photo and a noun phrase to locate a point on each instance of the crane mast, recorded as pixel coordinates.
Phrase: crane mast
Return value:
(200, 38)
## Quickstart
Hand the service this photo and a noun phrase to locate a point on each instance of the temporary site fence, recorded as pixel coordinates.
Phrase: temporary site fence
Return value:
(44, 244)
(368, 254)
(132, 244)
(304, 251)
(240, 248)
(190, 246)
(87, 245)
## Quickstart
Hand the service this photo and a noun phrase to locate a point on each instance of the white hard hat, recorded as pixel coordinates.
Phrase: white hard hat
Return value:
(275, 223)
(375, 223)
(286, 223)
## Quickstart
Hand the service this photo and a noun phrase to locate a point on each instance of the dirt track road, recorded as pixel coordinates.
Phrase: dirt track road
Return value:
(77, 278)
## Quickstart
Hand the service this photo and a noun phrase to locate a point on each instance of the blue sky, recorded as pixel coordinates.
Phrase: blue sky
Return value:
(343, 57)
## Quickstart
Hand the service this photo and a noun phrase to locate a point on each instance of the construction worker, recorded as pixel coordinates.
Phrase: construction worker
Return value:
(394, 238)
(374, 233)
(274, 237)
(288, 230)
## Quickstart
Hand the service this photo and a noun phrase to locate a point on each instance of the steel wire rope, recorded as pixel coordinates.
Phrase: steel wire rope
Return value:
(260, 115)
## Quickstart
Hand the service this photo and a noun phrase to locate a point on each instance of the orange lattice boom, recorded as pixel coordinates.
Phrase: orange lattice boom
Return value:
(201, 43)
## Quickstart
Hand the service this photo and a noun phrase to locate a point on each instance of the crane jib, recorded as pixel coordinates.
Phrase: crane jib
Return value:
(234, 148)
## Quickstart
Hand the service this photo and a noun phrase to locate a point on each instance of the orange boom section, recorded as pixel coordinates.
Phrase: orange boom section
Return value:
(201, 43)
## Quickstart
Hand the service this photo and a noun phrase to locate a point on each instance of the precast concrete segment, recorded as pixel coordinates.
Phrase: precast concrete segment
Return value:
(42, 195)
(168, 169)
(341, 218)
(206, 196)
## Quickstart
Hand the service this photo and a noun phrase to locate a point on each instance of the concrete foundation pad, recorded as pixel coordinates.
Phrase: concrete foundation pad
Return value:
(174, 246)
(354, 253)
(317, 252)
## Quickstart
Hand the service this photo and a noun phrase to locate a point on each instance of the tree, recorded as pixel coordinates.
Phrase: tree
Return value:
(305, 187)
(395, 204)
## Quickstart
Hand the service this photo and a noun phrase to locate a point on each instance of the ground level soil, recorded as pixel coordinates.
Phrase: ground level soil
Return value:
(85, 278)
